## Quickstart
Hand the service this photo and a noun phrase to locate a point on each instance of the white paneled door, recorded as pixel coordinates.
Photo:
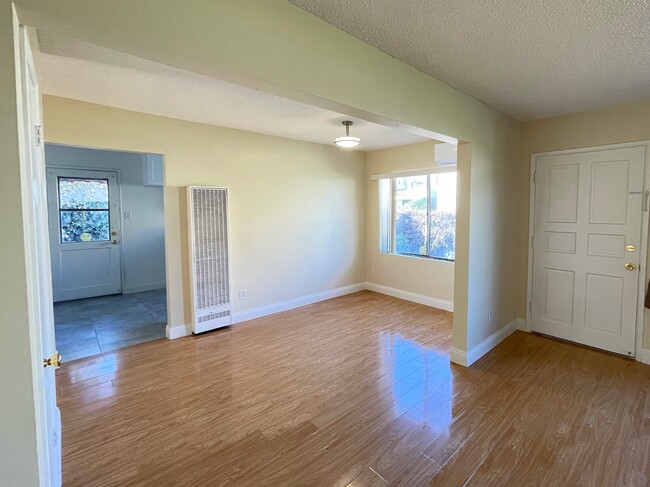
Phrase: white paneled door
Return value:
(41, 324)
(85, 233)
(586, 246)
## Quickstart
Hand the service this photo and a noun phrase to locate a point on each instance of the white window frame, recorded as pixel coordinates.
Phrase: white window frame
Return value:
(388, 241)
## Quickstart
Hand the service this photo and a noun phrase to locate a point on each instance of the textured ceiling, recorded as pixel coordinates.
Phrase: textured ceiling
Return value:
(86, 72)
(528, 58)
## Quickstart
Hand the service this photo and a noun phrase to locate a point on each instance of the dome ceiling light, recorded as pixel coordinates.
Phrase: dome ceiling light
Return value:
(347, 142)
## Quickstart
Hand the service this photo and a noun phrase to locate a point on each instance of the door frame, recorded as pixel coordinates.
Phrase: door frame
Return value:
(118, 179)
(645, 223)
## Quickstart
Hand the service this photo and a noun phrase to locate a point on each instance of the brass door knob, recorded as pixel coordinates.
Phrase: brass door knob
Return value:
(53, 361)
(115, 242)
(630, 266)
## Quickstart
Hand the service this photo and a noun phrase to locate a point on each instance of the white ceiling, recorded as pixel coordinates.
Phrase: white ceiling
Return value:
(529, 59)
(86, 72)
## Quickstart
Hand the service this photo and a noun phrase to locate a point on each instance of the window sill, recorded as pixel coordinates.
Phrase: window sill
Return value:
(418, 256)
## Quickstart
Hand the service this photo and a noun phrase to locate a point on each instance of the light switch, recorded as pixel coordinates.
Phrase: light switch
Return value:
(127, 215)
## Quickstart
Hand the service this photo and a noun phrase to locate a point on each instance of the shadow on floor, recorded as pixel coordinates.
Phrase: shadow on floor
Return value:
(86, 327)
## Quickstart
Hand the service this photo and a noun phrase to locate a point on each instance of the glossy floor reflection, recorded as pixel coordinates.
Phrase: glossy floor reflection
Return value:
(86, 327)
(355, 391)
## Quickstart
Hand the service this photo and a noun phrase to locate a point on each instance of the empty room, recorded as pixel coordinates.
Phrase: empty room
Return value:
(324, 243)
(107, 248)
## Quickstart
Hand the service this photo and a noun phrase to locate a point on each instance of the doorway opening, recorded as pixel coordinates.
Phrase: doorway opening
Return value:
(107, 245)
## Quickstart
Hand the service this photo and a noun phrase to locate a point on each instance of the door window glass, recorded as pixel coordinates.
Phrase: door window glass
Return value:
(84, 210)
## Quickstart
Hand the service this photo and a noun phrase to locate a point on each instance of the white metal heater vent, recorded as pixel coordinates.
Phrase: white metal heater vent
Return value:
(210, 257)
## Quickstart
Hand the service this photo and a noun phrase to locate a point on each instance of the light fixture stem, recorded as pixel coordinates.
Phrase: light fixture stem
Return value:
(347, 141)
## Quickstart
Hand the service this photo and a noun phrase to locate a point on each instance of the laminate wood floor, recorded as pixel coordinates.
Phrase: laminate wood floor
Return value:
(355, 391)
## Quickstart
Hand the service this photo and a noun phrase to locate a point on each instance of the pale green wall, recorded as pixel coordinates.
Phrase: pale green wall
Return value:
(276, 47)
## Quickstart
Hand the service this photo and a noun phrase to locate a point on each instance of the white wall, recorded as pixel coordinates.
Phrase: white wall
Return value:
(143, 235)
(427, 277)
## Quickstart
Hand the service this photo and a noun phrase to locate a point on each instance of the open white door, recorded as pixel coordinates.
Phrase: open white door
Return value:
(48, 419)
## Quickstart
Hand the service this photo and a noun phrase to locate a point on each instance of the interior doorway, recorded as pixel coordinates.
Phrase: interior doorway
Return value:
(106, 226)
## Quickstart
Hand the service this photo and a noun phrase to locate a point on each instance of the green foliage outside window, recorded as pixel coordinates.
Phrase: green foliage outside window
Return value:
(84, 210)
(411, 228)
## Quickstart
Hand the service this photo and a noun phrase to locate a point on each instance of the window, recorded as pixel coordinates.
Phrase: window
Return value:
(83, 210)
(418, 215)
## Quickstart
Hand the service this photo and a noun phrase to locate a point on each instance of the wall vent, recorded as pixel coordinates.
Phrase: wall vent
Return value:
(210, 257)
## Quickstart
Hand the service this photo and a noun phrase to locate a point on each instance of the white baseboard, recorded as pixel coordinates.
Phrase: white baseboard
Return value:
(409, 296)
(645, 356)
(140, 288)
(461, 357)
(178, 331)
(269, 309)
(458, 357)
(522, 325)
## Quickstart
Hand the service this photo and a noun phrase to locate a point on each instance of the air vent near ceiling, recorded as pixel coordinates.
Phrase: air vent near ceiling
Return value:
(446, 154)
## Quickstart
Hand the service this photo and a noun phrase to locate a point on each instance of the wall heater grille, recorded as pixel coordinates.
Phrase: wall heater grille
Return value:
(210, 257)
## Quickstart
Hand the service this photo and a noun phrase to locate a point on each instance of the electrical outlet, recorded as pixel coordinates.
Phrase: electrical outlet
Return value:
(243, 294)
(372, 271)
(490, 315)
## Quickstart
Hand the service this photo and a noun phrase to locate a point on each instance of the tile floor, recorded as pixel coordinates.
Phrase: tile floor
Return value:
(86, 327)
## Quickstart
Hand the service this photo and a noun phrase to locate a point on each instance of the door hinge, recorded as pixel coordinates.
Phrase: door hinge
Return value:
(530, 306)
(532, 242)
(534, 177)
(39, 134)
(646, 195)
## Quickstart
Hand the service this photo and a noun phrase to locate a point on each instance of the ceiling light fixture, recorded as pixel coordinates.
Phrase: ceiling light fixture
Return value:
(347, 142)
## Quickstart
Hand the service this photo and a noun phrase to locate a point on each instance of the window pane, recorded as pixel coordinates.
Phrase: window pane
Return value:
(384, 215)
(78, 194)
(442, 228)
(84, 226)
(411, 215)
